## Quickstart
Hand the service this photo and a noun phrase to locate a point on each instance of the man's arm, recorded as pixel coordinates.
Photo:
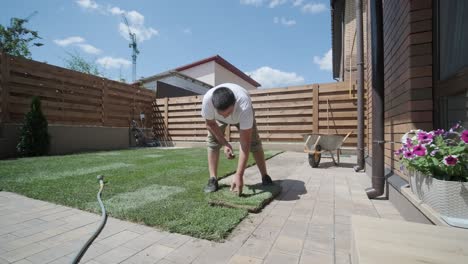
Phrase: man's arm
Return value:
(213, 127)
(245, 137)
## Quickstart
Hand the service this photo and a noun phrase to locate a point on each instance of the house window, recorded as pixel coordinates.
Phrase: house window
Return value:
(450, 62)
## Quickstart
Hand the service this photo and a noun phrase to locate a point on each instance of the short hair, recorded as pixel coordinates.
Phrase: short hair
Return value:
(223, 98)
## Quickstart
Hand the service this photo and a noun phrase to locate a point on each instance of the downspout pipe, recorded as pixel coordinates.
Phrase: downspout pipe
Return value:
(378, 176)
(360, 86)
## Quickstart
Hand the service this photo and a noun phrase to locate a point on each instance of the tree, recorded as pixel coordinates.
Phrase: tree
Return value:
(15, 39)
(77, 63)
(34, 138)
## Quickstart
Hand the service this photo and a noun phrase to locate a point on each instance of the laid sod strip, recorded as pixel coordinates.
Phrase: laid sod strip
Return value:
(151, 186)
(253, 199)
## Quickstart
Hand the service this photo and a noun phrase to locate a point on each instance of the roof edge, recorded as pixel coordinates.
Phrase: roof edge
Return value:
(221, 61)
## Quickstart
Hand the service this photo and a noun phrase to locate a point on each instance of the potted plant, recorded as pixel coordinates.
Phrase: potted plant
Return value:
(437, 165)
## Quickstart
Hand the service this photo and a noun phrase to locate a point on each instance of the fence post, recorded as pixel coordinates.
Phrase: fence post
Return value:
(166, 117)
(315, 108)
(104, 101)
(5, 72)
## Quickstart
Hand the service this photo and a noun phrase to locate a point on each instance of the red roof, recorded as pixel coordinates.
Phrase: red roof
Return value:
(218, 59)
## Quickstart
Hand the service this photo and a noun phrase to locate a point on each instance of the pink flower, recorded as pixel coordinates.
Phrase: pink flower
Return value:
(424, 137)
(464, 136)
(434, 152)
(408, 155)
(450, 160)
(399, 152)
(409, 143)
(419, 150)
(439, 132)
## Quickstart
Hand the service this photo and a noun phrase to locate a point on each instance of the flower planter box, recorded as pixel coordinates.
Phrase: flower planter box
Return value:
(448, 198)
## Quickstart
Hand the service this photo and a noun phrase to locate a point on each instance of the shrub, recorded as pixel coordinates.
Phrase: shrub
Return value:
(34, 139)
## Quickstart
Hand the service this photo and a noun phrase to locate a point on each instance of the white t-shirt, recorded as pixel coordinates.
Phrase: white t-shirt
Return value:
(242, 114)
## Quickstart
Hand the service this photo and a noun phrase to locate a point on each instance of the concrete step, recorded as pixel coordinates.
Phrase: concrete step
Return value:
(376, 240)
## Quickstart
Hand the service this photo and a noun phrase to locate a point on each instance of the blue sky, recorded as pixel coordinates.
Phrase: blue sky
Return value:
(277, 42)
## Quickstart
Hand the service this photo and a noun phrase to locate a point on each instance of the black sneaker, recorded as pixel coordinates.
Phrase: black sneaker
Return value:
(212, 185)
(266, 180)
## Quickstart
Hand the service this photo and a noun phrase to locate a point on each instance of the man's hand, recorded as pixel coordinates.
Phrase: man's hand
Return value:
(237, 184)
(228, 152)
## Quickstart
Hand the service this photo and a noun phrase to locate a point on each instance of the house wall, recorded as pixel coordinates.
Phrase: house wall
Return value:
(350, 41)
(222, 75)
(407, 33)
(204, 72)
(407, 27)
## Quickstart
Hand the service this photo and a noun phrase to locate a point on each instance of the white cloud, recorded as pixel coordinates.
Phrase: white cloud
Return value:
(136, 23)
(297, 2)
(269, 77)
(275, 3)
(251, 2)
(135, 20)
(187, 31)
(313, 8)
(77, 41)
(284, 21)
(89, 48)
(110, 62)
(87, 4)
(142, 33)
(324, 62)
(115, 10)
(68, 41)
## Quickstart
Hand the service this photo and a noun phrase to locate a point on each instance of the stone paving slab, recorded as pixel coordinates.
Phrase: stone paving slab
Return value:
(309, 222)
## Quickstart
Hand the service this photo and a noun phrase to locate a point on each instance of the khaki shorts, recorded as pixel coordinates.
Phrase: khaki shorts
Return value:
(255, 143)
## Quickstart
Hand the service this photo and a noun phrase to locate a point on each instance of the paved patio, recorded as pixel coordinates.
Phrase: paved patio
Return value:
(308, 223)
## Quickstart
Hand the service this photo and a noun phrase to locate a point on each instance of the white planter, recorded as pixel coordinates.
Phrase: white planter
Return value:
(448, 198)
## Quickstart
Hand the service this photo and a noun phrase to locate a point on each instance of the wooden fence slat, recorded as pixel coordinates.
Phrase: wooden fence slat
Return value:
(275, 98)
(253, 93)
(284, 120)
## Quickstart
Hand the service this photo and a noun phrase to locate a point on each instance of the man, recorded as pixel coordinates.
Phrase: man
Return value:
(224, 104)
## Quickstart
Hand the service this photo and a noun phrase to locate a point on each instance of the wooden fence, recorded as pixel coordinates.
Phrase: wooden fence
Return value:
(282, 114)
(68, 97)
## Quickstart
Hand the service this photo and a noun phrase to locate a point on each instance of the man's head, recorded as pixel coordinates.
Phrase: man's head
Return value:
(223, 100)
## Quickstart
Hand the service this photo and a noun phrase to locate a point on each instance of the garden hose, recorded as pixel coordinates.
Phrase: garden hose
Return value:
(101, 226)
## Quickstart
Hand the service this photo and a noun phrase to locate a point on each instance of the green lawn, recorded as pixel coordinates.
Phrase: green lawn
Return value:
(162, 188)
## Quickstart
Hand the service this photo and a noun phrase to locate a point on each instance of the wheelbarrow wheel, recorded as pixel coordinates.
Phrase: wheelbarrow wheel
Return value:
(314, 158)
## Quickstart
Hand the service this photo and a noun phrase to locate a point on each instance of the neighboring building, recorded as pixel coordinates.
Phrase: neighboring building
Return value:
(425, 68)
(174, 84)
(197, 78)
(216, 70)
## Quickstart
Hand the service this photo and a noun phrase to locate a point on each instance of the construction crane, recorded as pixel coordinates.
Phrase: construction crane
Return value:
(20, 20)
(133, 46)
(31, 15)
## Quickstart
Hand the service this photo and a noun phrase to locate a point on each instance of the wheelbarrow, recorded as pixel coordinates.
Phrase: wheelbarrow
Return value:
(315, 144)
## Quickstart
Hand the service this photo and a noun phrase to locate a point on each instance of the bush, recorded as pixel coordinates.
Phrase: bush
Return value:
(34, 139)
